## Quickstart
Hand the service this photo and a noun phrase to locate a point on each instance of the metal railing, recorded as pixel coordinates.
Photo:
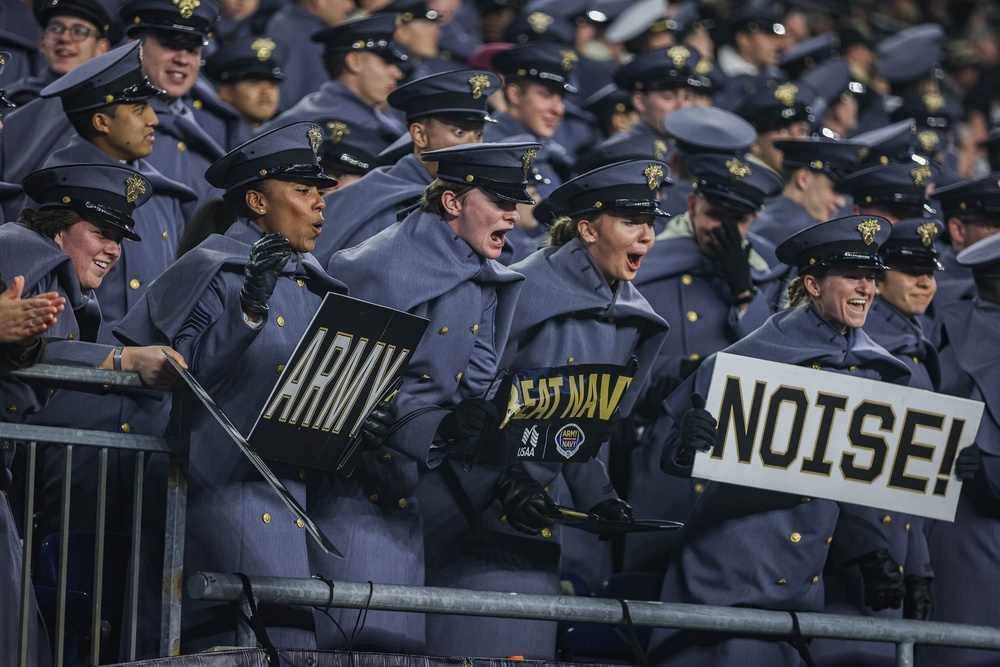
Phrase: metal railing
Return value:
(102, 381)
(222, 587)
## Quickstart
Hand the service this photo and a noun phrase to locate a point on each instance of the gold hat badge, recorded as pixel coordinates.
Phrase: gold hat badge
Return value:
(659, 148)
(338, 131)
(539, 21)
(187, 7)
(134, 187)
(567, 59)
(933, 102)
(679, 55)
(785, 93)
(920, 174)
(527, 159)
(928, 140)
(654, 174)
(869, 227)
(927, 232)
(738, 169)
(704, 67)
(315, 137)
(479, 83)
(263, 47)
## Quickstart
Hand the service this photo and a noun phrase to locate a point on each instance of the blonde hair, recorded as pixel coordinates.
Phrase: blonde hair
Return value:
(797, 294)
(562, 231)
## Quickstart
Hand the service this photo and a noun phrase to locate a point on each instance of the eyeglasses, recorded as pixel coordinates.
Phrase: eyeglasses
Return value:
(77, 32)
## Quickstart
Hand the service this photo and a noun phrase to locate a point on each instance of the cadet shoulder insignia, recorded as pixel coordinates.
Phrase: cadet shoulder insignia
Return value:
(785, 93)
(933, 102)
(527, 159)
(920, 174)
(738, 169)
(653, 173)
(928, 140)
(568, 58)
(187, 7)
(659, 148)
(479, 83)
(679, 55)
(262, 47)
(134, 187)
(338, 131)
(869, 227)
(539, 21)
(315, 137)
(927, 232)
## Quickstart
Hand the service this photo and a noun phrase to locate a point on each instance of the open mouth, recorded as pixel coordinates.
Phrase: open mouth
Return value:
(318, 227)
(102, 265)
(633, 259)
(176, 77)
(857, 305)
(498, 238)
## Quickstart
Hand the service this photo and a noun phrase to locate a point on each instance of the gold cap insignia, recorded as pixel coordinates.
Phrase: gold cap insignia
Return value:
(527, 159)
(869, 227)
(862, 153)
(567, 59)
(933, 102)
(399, 22)
(927, 232)
(654, 174)
(679, 55)
(66, 200)
(785, 93)
(479, 83)
(134, 186)
(3, 61)
(738, 169)
(920, 174)
(704, 67)
(659, 148)
(338, 131)
(928, 140)
(315, 137)
(539, 21)
(187, 7)
(263, 47)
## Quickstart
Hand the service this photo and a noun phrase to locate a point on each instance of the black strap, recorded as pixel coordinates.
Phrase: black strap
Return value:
(255, 622)
(632, 639)
(799, 642)
(458, 493)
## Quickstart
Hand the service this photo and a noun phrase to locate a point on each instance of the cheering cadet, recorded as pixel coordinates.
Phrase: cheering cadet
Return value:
(440, 263)
(442, 110)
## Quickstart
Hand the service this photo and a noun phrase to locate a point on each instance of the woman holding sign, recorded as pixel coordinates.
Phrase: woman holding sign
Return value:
(760, 548)
(236, 306)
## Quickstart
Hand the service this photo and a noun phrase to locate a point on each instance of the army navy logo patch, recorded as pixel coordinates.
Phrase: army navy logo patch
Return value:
(869, 227)
(569, 439)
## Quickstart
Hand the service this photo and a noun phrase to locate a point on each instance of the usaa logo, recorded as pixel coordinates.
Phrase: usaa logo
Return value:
(569, 439)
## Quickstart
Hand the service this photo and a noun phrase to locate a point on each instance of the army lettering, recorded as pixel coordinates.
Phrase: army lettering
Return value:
(836, 436)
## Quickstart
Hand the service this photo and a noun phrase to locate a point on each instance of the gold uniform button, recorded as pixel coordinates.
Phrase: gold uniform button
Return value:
(12, 409)
(916, 360)
(300, 523)
(782, 581)
(692, 316)
(302, 473)
(280, 321)
(300, 282)
(197, 104)
(816, 579)
(611, 320)
(373, 497)
(266, 518)
(886, 519)
(699, 487)
(280, 368)
(387, 457)
(458, 376)
(425, 377)
(6, 446)
(475, 329)
(570, 360)
(853, 368)
(901, 569)
(815, 367)
(906, 527)
(806, 499)
(126, 428)
(134, 283)
(443, 330)
(181, 146)
(795, 537)
(694, 357)
(72, 336)
(546, 532)
(686, 279)
(164, 235)
(829, 539)
(402, 503)
(503, 519)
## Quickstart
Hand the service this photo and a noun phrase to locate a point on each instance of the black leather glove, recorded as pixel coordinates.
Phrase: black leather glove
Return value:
(698, 431)
(613, 509)
(918, 603)
(525, 504)
(377, 425)
(883, 581)
(468, 419)
(268, 257)
(967, 463)
(732, 258)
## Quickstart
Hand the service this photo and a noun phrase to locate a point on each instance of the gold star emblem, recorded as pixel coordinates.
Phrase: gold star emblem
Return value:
(539, 21)
(927, 232)
(678, 55)
(920, 174)
(785, 93)
(933, 102)
(338, 131)
(567, 59)
(187, 7)
(738, 169)
(869, 227)
(654, 174)
(928, 140)
(659, 148)
(479, 83)
(263, 47)
(134, 187)
(527, 159)
(315, 137)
